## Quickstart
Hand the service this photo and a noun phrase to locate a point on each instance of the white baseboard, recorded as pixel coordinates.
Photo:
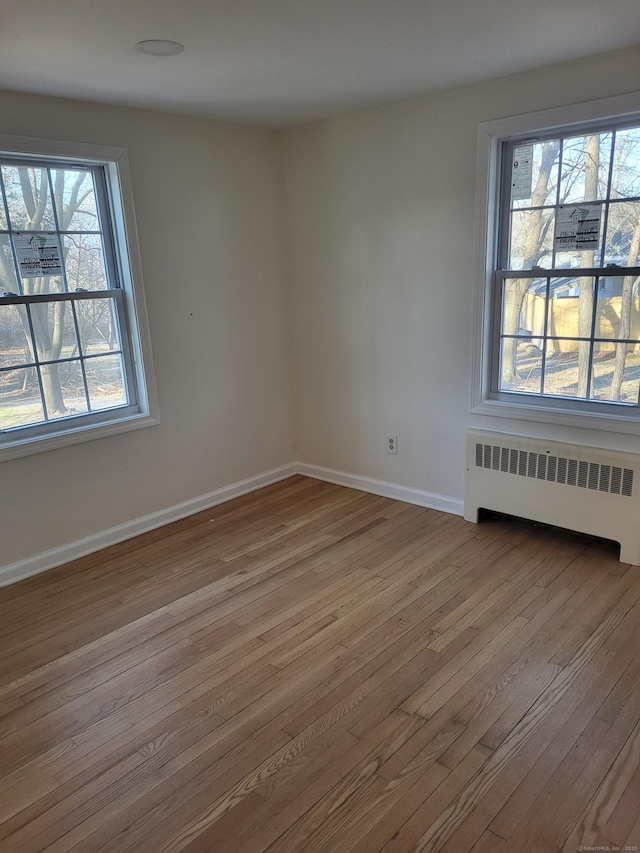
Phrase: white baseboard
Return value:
(385, 489)
(81, 547)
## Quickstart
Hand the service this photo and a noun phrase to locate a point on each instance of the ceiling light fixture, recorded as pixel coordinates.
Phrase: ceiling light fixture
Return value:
(160, 47)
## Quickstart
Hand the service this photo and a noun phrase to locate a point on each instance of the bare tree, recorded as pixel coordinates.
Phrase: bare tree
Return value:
(531, 253)
(48, 319)
(585, 285)
(586, 161)
(624, 327)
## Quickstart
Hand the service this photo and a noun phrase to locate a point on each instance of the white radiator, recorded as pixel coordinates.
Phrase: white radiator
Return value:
(586, 489)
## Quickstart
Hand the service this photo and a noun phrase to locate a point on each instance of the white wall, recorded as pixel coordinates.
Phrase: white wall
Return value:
(380, 228)
(207, 199)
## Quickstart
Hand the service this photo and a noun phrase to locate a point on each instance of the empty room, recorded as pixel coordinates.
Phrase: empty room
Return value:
(319, 422)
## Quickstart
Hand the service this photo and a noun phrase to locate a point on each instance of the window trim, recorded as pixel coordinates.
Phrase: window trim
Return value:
(126, 248)
(488, 171)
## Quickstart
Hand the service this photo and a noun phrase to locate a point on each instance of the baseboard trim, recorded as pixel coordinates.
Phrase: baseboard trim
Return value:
(81, 547)
(89, 544)
(384, 488)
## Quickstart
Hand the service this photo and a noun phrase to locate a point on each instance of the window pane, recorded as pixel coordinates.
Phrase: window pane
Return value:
(585, 168)
(54, 330)
(63, 389)
(42, 284)
(3, 216)
(544, 178)
(616, 373)
(531, 239)
(84, 262)
(20, 401)
(618, 307)
(28, 198)
(98, 326)
(571, 307)
(75, 200)
(523, 307)
(14, 336)
(566, 368)
(105, 378)
(622, 228)
(625, 181)
(521, 366)
(8, 279)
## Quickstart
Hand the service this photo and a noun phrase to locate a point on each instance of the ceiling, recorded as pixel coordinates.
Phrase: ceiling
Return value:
(279, 62)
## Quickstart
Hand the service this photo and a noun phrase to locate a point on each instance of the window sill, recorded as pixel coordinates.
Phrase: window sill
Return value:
(565, 417)
(21, 447)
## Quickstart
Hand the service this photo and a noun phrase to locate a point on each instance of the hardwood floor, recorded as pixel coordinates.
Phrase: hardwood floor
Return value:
(310, 668)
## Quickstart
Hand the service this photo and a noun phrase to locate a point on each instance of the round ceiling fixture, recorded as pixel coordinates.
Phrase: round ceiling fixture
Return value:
(160, 47)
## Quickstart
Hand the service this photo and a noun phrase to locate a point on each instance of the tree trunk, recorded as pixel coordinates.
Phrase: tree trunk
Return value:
(48, 327)
(532, 253)
(49, 339)
(624, 328)
(586, 298)
(511, 320)
(52, 391)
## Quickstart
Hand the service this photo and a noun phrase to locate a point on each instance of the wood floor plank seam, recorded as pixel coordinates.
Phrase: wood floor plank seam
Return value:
(309, 667)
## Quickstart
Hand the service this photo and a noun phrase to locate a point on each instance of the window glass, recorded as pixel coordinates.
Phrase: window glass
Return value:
(84, 262)
(64, 351)
(567, 330)
(28, 198)
(585, 168)
(75, 199)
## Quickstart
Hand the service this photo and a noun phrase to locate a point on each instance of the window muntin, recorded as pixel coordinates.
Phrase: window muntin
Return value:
(567, 321)
(65, 351)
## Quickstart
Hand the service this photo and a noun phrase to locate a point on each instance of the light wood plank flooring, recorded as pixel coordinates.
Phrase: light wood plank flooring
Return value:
(311, 668)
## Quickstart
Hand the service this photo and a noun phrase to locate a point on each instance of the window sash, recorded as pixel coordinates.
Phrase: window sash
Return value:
(103, 206)
(121, 308)
(504, 211)
(90, 417)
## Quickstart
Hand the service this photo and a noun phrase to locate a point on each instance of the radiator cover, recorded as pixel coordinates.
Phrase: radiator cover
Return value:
(580, 488)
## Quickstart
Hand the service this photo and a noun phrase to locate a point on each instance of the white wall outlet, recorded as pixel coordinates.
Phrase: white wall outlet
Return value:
(392, 444)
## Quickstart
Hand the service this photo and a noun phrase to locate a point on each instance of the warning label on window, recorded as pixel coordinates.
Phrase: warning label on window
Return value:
(38, 255)
(522, 172)
(577, 227)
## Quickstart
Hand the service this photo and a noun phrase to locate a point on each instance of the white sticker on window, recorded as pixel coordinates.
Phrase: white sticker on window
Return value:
(38, 255)
(521, 172)
(577, 227)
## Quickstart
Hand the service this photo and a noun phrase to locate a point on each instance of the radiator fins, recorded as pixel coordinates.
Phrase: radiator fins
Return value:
(556, 469)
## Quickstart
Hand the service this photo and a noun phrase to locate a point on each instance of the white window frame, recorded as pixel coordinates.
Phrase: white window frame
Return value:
(488, 170)
(61, 433)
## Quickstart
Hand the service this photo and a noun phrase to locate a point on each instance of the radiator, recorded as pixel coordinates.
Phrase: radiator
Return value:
(585, 489)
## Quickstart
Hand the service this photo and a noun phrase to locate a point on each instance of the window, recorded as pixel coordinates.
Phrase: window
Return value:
(562, 315)
(73, 342)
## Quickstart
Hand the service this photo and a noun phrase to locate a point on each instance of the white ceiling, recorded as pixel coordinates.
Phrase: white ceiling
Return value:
(279, 62)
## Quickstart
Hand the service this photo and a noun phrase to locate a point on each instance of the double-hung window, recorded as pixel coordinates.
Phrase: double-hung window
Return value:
(563, 309)
(72, 334)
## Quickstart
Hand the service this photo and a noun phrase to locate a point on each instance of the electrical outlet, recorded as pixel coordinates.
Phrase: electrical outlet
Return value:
(392, 444)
